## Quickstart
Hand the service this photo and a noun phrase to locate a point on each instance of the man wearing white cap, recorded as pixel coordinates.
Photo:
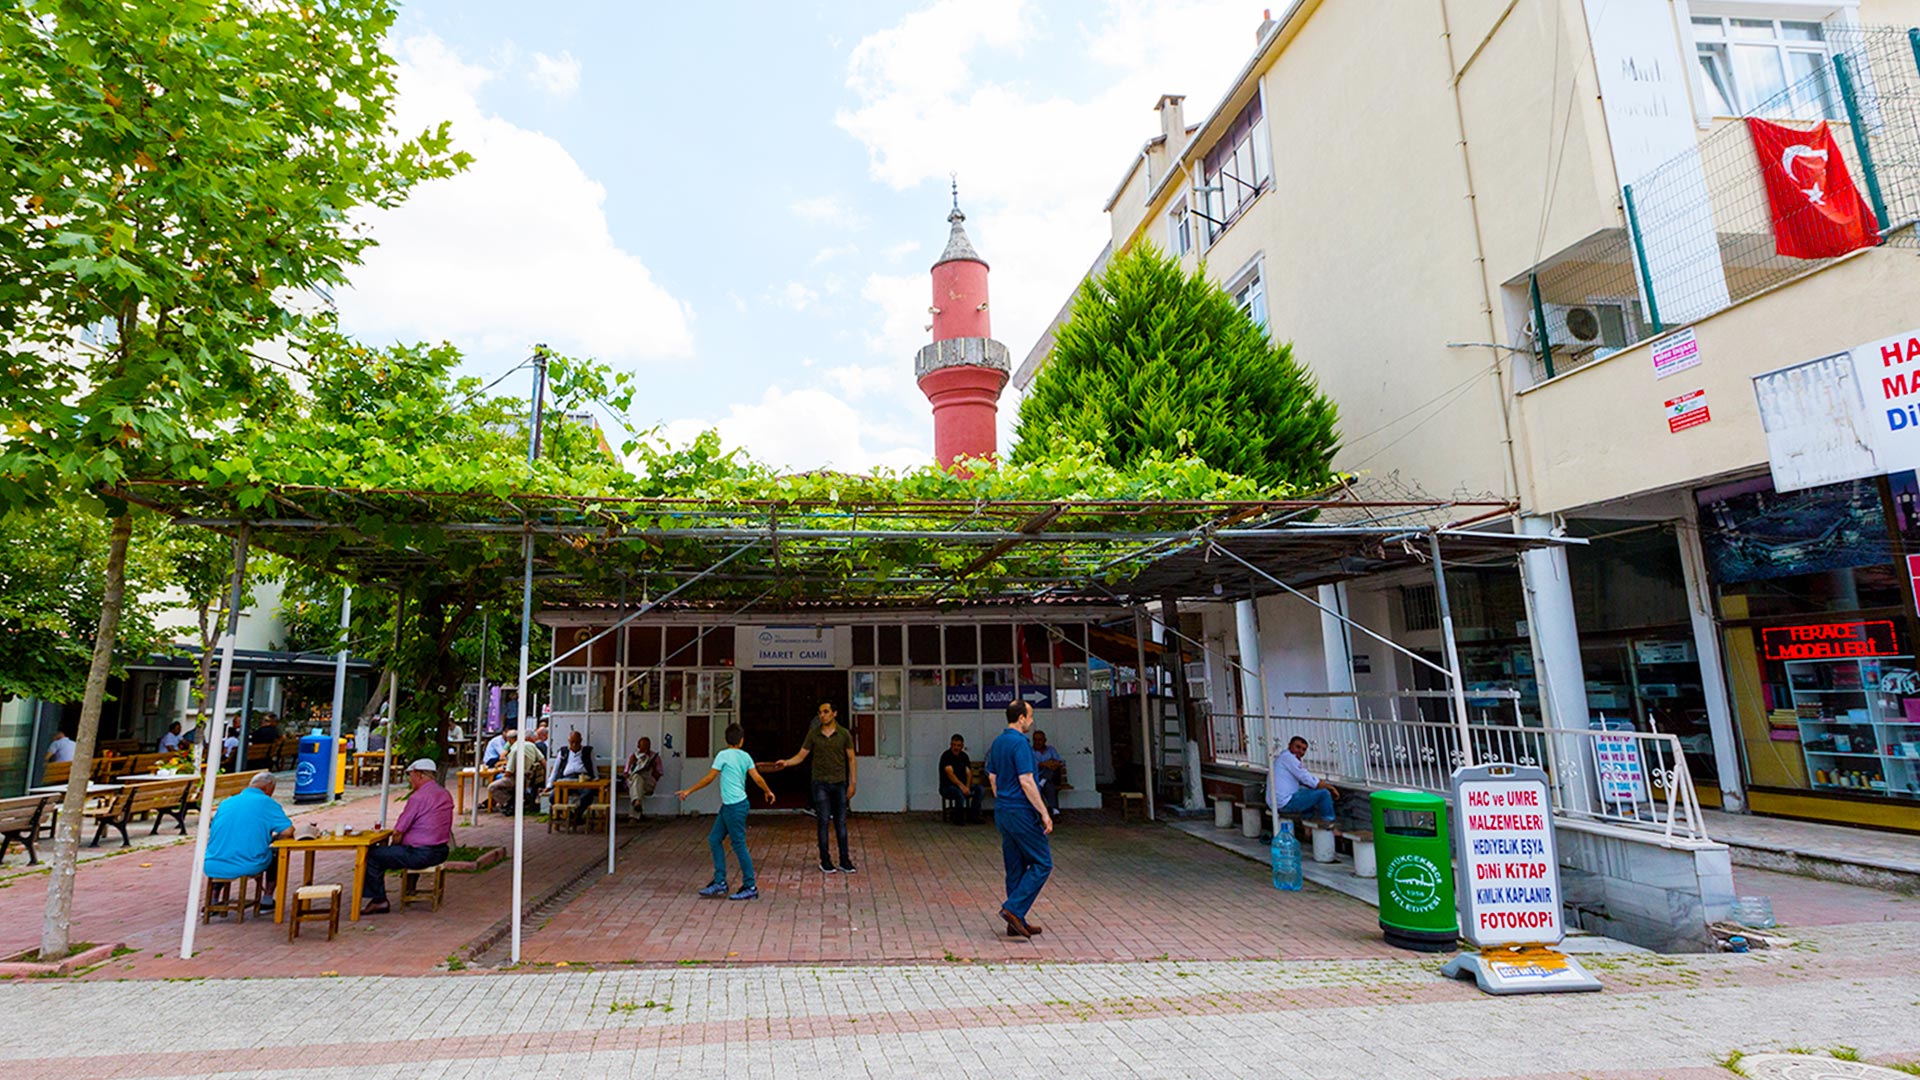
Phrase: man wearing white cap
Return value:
(420, 838)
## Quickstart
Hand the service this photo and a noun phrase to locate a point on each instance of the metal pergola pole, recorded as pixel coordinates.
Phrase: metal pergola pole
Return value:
(393, 708)
(526, 632)
(1453, 651)
(214, 743)
(613, 758)
(480, 714)
(1146, 718)
(339, 688)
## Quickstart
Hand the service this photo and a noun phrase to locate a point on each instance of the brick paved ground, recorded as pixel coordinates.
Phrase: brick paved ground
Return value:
(1660, 1017)
(138, 898)
(927, 890)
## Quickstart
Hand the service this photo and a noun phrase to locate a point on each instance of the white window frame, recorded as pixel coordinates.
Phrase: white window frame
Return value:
(1179, 228)
(1827, 15)
(1253, 275)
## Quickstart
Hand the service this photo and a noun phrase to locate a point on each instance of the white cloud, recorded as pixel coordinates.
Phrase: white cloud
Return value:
(896, 252)
(1035, 168)
(828, 210)
(796, 430)
(516, 250)
(794, 296)
(834, 251)
(555, 76)
(903, 301)
(878, 381)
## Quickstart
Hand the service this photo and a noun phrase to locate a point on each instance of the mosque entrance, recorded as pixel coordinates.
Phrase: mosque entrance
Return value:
(777, 709)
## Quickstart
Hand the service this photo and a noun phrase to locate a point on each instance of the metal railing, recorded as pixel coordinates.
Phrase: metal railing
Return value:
(1636, 779)
(1698, 232)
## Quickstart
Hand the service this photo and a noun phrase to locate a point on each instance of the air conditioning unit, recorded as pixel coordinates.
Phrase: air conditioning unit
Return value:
(1580, 327)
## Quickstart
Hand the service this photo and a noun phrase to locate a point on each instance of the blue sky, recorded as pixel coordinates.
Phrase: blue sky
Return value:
(739, 202)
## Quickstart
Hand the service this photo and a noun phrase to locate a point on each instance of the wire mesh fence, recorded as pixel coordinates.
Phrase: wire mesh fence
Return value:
(1701, 232)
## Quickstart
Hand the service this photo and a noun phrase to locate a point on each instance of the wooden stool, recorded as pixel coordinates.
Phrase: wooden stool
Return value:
(1127, 801)
(597, 815)
(427, 885)
(305, 909)
(235, 901)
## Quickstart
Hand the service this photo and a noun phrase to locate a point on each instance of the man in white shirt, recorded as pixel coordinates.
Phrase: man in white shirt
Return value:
(1291, 789)
(60, 749)
(497, 748)
(574, 762)
(170, 740)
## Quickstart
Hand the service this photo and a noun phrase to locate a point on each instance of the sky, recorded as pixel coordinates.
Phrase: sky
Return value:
(739, 202)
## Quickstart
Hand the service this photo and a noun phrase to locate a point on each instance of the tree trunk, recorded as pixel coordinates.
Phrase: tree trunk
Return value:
(66, 838)
(378, 698)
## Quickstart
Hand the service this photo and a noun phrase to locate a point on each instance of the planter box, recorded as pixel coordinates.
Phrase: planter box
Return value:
(17, 964)
(487, 858)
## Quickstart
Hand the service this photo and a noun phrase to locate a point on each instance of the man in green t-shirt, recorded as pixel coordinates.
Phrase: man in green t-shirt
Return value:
(836, 775)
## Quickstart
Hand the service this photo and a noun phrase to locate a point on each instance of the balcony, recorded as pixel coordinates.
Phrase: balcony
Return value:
(1697, 234)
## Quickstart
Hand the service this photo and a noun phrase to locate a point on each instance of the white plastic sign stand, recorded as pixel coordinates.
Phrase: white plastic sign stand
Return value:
(1509, 884)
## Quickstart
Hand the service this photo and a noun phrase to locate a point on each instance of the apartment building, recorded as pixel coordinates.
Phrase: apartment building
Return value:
(1538, 249)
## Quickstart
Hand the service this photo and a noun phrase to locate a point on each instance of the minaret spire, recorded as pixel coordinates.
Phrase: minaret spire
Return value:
(964, 370)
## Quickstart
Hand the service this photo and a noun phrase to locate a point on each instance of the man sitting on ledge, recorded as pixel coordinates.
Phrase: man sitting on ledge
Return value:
(1291, 789)
(421, 838)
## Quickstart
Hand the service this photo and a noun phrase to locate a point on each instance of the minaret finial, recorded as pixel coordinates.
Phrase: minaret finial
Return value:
(956, 215)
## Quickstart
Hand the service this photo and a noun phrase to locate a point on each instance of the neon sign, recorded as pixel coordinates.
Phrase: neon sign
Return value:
(1830, 641)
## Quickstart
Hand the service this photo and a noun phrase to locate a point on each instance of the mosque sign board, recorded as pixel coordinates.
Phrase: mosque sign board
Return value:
(792, 647)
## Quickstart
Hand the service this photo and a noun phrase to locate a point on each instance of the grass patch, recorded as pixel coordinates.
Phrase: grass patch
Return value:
(466, 853)
(1844, 1053)
(33, 956)
(1731, 1062)
(636, 1006)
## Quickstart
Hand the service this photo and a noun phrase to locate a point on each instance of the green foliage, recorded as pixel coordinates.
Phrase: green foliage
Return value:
(179, 175)
(1155, 363)
(52, 576)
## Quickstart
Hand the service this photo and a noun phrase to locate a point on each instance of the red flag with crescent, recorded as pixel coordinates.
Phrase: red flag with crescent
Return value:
(1817, 212)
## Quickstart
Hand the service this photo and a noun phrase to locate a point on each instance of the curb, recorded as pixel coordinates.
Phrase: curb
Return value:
(12, 967)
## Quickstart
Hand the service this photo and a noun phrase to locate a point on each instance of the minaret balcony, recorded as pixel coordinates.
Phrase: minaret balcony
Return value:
(962, 352)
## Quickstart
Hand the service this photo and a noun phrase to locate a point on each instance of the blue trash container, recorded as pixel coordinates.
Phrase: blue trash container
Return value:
(313, 768)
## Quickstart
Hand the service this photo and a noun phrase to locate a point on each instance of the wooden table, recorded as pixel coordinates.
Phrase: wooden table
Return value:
(365, 761)
(60, 789)
(565, 790)
(487, 773)
(149, 776)
(359, 843)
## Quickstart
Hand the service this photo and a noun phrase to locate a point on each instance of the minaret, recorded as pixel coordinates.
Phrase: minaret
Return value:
(964, 370)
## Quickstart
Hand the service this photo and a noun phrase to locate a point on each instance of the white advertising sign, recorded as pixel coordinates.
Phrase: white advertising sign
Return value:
(1650, 128)
(1618, 767)
(1509, 877)
(1675, 352)
(1842, 417)
(788, 647)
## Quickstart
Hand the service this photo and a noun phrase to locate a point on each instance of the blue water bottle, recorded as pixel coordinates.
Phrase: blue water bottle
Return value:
(1285, 856)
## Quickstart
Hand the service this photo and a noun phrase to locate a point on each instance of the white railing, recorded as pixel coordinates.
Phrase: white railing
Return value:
(1636, 779)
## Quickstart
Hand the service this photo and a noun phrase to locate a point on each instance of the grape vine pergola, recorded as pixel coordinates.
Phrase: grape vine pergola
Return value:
(634, 555)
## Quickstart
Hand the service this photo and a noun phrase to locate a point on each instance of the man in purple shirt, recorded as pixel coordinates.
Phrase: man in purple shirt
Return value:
(420, 837)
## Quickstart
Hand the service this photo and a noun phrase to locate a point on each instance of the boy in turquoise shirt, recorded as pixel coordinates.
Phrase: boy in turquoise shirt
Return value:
(732, 766)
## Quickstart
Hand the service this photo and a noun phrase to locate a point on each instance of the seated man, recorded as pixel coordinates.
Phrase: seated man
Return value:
(1291, 789)
(497, 747)
(643, 774)
(230, 750)
(956, 779)
(376, 740)
(1049, 770)
(574, 762)
(170, 740)
(500, 792)
(268, 730)
(60, 750)
(240, 839)
(421, 837)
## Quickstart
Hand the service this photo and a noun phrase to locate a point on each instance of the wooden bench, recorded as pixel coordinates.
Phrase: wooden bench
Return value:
(56, 772)
(225, 786)
(161, 798)
(20, 821)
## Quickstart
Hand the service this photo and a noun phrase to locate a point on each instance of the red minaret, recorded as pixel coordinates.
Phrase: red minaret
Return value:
(964, 370)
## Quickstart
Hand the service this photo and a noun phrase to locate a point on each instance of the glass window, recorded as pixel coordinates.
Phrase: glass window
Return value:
(1251, 297)
(923, 644)
(889, 651)
(682, 650)
(863, 646)
(1179, 230)
(996, 643)
(716, 648)
(963, 645)
(887, 691)
(925, 690)
(1770, 67)
(1235, 171)
(863, 691)
(643, 646)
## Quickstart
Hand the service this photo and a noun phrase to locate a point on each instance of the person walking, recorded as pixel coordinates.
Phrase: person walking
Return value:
(733, 767)
(836, 776)
(1022, 818)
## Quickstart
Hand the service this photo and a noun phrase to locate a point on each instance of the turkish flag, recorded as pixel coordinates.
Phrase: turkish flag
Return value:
(1817, 212)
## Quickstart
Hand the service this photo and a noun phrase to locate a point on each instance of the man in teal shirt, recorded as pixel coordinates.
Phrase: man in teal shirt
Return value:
(240, 839)
(732, 767)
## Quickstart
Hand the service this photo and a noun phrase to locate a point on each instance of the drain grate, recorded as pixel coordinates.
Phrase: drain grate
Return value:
(1809, 1067)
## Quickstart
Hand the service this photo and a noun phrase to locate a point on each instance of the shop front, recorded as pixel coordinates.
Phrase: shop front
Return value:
(902, 687)
(1816, 611)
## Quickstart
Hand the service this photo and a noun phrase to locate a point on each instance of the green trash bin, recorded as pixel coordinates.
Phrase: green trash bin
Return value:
(1416, 870)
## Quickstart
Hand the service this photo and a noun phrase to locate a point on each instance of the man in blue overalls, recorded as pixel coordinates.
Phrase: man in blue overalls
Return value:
(1021, 817)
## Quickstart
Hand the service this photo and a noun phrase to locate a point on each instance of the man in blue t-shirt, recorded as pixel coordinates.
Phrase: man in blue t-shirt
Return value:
(240, 839)
(733, 767)
(1021, 817)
